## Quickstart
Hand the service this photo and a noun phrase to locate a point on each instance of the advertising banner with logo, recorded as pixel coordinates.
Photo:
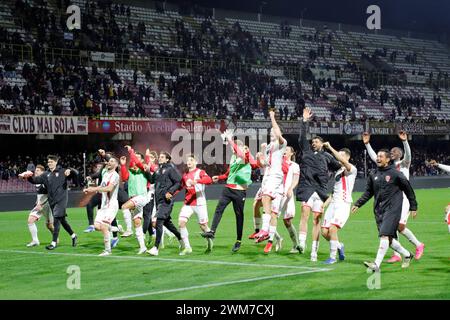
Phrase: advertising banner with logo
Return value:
(151, 126)
(103, 56)
(382, 128)
(29, 124)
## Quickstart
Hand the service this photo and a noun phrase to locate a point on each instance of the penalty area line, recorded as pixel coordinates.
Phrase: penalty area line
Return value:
(217, 284)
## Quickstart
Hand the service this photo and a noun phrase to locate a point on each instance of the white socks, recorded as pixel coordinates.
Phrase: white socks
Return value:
(257, 222)
(33, 230)
(114, 229)
(140, 237)
(272, 231)
(266, 222)
(185, 237)
(384, 245)
(302, 239)
(411, 237)
(293, 234)
(333, 248)
(127, 218)
(315, 247)
(107, 241)
(398, 248)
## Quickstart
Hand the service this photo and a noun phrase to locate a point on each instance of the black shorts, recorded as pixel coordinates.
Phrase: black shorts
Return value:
(164, 209)
(59, 209)
(387, 224)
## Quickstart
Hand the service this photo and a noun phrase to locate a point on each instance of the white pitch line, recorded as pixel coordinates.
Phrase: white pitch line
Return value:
(214, 262)
(218, 284)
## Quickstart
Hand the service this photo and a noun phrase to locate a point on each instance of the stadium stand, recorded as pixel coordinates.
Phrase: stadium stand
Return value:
(171, 65)
(287, 58)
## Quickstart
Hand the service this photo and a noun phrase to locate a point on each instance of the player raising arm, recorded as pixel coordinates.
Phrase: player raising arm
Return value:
(272, 186)
(338, 210)
(402, 165)
(313, 185)
(386, 186)
(446, 169)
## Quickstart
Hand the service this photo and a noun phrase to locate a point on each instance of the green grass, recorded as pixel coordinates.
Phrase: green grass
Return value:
(33, 273)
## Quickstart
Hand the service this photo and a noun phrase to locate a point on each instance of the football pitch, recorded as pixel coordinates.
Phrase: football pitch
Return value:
(35, 273)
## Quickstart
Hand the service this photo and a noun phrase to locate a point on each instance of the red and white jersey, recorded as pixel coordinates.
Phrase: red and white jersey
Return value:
(293, 169)
(109, 199)
(403, 168)
(274, 159)
(195, 194)
(343, 186)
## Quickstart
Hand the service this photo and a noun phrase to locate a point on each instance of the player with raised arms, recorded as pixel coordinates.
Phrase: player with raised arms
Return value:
(403, 166)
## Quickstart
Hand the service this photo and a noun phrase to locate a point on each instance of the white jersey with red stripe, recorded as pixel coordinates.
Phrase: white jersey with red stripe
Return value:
(109, 199)
(274, 159)
(343, 186)
(293, 170)
(402, 167)
(195, 194)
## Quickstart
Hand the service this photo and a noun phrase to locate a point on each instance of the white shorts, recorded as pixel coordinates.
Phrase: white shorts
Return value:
(275, 190)
(337, 214)
(288, 207)
(314, 202)
(405, 210)
(201, 212)
(42, 210)
(139, 203)
(106, 215)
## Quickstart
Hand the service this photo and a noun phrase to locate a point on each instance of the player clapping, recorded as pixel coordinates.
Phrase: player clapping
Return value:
(194, 182)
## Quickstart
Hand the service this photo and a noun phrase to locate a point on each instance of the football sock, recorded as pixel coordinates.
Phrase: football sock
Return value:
(277, 236)
(315, 247)
(293, 234)
(302, 239)
(411, 237)
(185, 237)
(272, 230)
(127, 218)
(140, 237)
(107, 241)
(266, 222)
(257, 223)
(398, 247)
(33, 230)
(333, 248)
(382, 249)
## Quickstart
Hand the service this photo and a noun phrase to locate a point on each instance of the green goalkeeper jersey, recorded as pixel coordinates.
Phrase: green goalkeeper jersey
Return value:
(240, 172)
(137, 183)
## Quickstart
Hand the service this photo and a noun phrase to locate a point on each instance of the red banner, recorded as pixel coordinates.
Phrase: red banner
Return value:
(152, 126)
